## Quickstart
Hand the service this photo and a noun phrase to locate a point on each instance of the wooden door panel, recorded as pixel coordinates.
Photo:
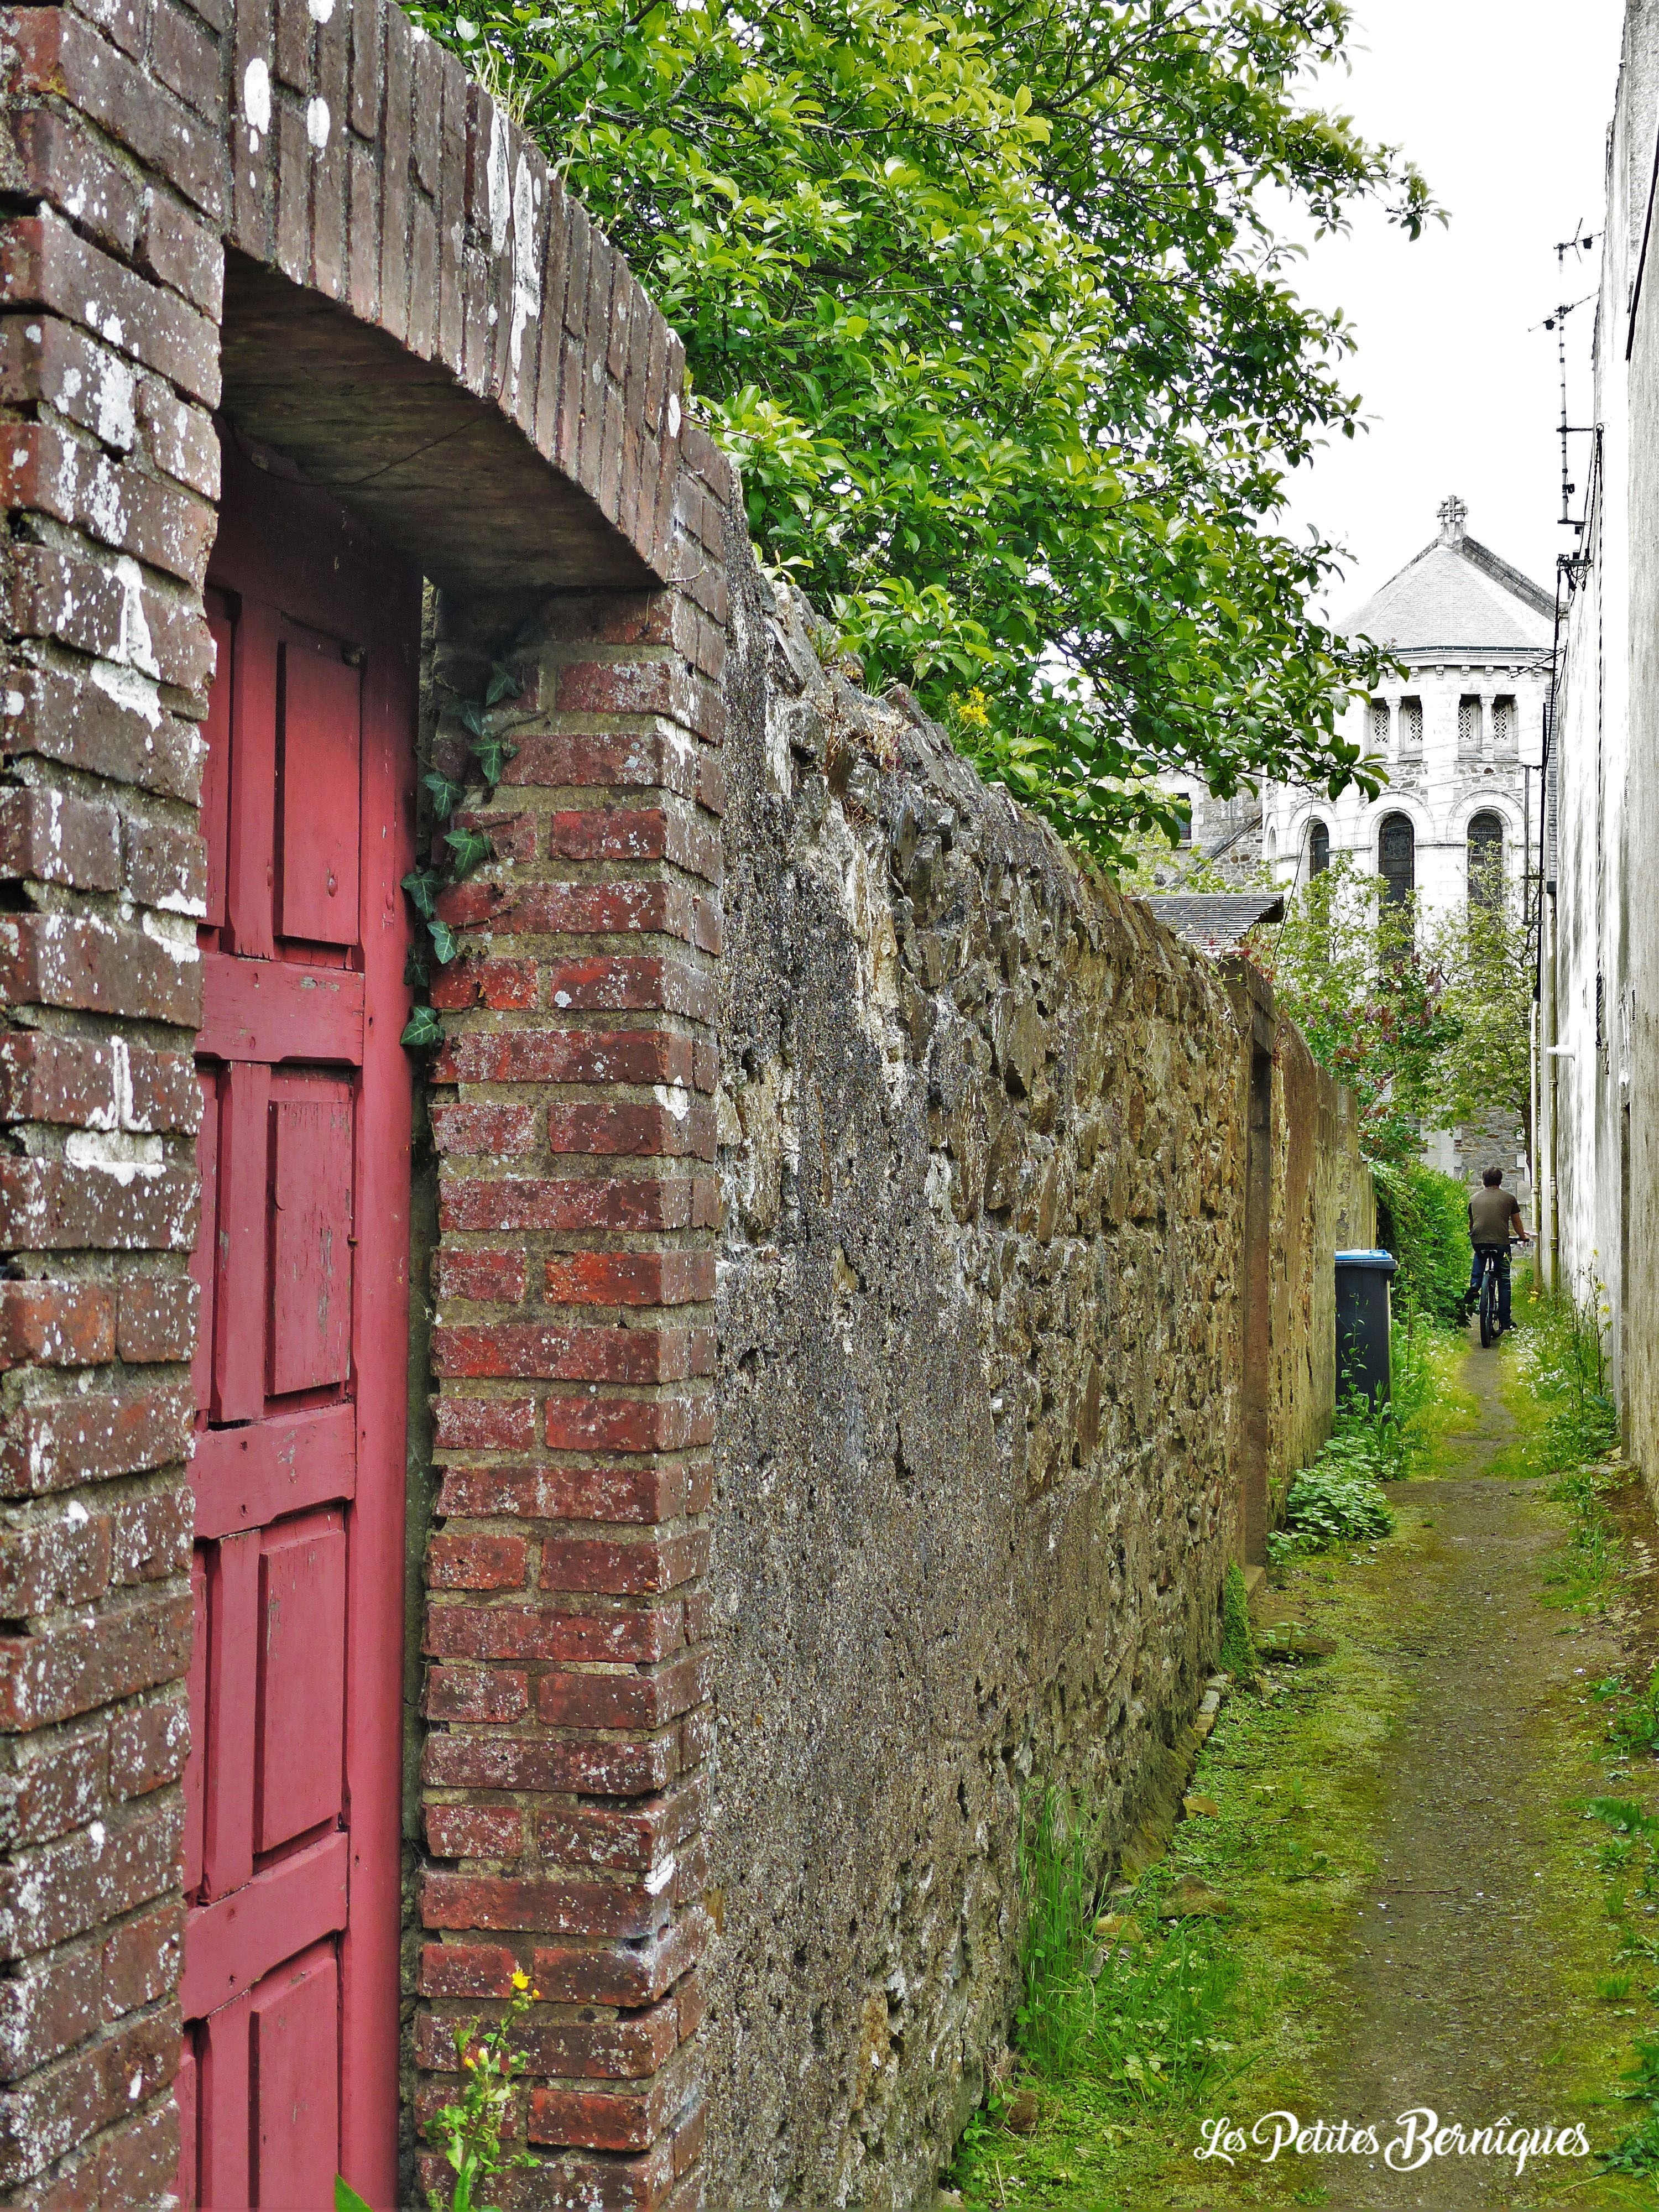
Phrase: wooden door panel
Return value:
(300, 1729)
(321, 777)
(197, 1688)
(311, 1240)
(239, 1300)
(215, 772)
(290, 1981)
(204, 1260)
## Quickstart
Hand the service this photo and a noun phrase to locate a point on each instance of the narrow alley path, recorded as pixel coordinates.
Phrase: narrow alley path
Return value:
(1464, 1991)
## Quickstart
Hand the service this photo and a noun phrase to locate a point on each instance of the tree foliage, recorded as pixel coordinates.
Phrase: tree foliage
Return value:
(989, 305)
(1359, 975)
(1488, 955)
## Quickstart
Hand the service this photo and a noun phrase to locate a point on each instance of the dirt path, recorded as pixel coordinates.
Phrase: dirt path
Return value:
(1466, 1991)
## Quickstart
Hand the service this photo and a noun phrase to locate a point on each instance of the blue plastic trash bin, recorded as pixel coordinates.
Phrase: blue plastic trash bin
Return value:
(1361, 1323)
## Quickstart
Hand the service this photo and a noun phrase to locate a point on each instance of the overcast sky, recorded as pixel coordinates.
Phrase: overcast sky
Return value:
(1503, 104)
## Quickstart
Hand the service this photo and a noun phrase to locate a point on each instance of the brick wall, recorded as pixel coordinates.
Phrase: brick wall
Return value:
(568, 1699)
(334, 150)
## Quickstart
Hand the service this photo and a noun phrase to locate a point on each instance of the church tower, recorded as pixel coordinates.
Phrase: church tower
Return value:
(1459, 738)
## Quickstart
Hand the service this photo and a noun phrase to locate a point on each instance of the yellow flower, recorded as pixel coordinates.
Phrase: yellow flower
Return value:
(520, 1981)
(535, 1993)
(471, 2065)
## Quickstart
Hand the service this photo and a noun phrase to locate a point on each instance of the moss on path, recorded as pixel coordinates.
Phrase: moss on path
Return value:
(1417, 1907)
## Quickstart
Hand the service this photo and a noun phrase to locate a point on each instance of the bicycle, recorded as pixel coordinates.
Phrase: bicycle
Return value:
(1490, 1257)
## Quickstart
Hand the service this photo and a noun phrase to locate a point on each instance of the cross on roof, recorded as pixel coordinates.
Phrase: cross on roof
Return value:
(1453, 515)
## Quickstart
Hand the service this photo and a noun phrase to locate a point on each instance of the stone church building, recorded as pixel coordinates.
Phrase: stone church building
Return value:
(1460, 736)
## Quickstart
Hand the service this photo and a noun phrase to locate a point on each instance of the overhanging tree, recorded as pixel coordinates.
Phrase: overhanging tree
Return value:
(989, 307)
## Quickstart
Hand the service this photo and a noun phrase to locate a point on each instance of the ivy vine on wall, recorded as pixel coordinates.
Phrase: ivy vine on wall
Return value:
(467, 849)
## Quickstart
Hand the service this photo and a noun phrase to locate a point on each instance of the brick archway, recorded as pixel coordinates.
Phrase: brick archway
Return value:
(307, 220)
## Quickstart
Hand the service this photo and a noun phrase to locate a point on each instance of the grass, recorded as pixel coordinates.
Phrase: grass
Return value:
(1136, 2031)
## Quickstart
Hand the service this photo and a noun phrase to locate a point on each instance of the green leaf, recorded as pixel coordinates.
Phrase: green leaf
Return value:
(346, 2198)
(492, 755)
(444, 943)
(423, 1032)
(446, 796)
(503, 684)
(424, 887)
(470, 849)
(417, 970)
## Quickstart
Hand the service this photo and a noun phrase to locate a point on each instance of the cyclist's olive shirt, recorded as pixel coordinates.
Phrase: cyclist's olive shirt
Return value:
(1490, 1212)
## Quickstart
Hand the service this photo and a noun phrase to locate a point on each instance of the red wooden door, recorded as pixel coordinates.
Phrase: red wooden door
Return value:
(290, 1981)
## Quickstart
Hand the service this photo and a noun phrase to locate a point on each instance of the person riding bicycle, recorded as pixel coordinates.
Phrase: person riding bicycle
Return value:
(1492, 1210)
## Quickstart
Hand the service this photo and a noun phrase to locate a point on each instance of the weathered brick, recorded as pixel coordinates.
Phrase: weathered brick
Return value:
(149, 1742)
(74, 1664)
(51, 157)
(61, 960)
(620, 1839)
(613, 1769)
(167, 867)
(59, 839)
(635, 1055)
(47, 1205)
(540, 1906)
(88, 607)
(467, 1562)
(150, 1532)
(58, 1558)
(631, 1494)
(476, 1694)
(474, 1832)
(44, 471)
(595, 1202)
(638, 1568)
(47, 2007)
(630, 1278)
(49, 1895)
(467, 1970)
(63, 2104)
(44, 263)
(600, 1355)
(57, 1324)
(157, 1317)
(497, 1277)
(485, 1424)
(497, 1632)
(683, 1129)
(52, 1782)
(494, 1131)
(629, 1424)
(52, 50)
(143, 1959)
(64, 718)
(643, 1699)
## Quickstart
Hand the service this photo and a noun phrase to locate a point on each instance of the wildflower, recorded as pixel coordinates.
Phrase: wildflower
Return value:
(520, 1979)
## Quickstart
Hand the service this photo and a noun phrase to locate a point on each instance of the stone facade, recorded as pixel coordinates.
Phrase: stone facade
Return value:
(1006, 1365)
(906, 1115)
(1597, 1136)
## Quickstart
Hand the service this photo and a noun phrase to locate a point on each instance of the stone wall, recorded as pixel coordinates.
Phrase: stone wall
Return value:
(980, 1439)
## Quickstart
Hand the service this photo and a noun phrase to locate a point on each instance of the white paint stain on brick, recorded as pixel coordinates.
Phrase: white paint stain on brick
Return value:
(670, 1095)
(318, 121)
(256, 96)
(495, 172)
(114, 1152)
(526, 264)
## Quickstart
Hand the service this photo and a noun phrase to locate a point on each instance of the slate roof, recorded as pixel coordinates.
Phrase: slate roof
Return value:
(1215, 921)
(1457, 598)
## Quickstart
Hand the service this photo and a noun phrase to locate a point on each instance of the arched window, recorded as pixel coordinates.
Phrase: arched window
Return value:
(1319, 848)
(1396, 857)
(1411, 728)
(1468, 723)
(1379, 722)
(1486, 859)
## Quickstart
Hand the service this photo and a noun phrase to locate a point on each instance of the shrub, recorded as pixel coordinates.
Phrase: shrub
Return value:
(1422, 1219)
(1336, 1503)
